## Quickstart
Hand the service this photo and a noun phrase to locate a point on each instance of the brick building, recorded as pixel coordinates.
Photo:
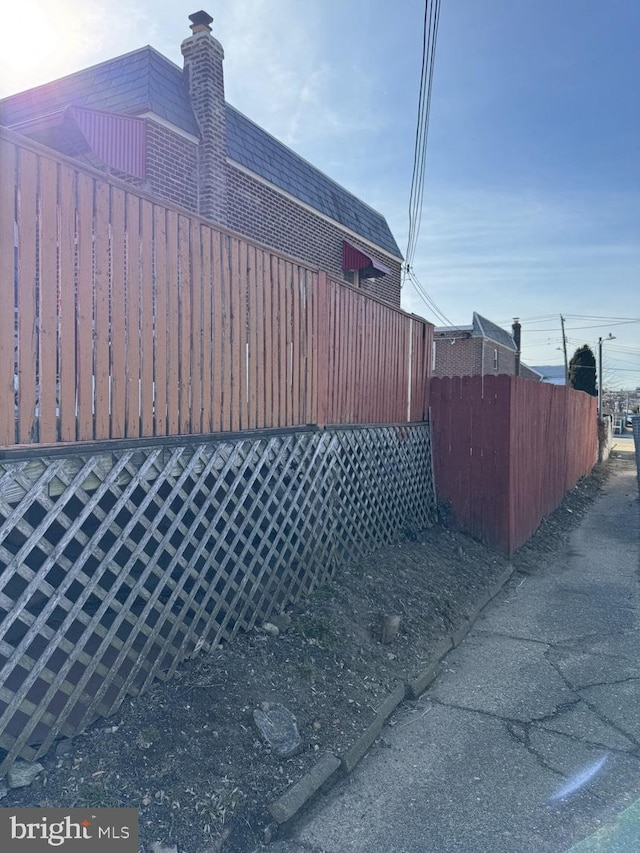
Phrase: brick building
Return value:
(480, 349)
(170, 131)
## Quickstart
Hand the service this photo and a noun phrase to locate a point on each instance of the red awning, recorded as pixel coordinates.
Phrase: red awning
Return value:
(354, 259)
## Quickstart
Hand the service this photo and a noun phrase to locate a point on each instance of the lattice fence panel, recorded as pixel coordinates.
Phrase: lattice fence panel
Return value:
(114, 567)
(384, 486)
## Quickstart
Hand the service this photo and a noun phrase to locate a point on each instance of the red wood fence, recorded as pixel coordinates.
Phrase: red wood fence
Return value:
(506, 450)
(135, 318)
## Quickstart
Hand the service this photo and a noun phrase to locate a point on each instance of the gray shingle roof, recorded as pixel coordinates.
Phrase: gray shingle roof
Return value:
(487, 329)
(144, 80)
(133, 83)
(257, 150)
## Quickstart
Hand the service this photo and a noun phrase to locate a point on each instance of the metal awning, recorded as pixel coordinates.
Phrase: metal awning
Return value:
(355, 259)
(119, 141)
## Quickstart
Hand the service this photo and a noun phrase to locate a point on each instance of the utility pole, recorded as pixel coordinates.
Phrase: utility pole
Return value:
(610, 337)
(599, 379)
(564, 347)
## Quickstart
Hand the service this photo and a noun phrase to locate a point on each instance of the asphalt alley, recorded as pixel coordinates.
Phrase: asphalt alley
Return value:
(529, 739)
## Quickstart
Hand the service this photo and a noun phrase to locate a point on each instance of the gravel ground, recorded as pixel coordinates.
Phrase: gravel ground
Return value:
(188, 753)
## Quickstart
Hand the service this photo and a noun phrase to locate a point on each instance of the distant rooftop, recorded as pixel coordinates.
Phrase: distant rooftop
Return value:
(481, 327)
(551, 373)
(486, 329)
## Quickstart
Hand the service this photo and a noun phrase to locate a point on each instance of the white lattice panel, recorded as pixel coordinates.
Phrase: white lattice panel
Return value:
(116, 566)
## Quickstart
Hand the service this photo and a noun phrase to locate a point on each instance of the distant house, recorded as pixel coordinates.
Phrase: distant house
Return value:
(551, 373)
(170, 131)
(481, 349)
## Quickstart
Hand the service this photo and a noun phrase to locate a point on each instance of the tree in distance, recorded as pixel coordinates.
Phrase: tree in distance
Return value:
(582, 370)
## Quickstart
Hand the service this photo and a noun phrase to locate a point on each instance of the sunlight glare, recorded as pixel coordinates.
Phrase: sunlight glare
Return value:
(38, 43)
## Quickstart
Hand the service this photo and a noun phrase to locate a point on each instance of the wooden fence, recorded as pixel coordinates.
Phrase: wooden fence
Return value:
(506, 451)
(133, 318)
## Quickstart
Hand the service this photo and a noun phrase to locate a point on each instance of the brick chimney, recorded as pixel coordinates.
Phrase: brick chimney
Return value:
(516, 330)
(204, 78)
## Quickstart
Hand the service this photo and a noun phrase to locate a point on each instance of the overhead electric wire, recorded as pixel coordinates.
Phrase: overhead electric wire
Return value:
(624, 348)
(596, 326)
(416, 193)
(598, 317)
(545, 344)
(416, 196)
(616, 360)
(431, 21)
(607, 323)
(540, 319)
(431, 305)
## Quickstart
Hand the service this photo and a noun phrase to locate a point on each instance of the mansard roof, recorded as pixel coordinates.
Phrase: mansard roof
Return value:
(145, 81)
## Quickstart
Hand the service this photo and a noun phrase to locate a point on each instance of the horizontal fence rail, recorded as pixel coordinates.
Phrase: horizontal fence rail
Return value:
(133, 318)
(506, 451)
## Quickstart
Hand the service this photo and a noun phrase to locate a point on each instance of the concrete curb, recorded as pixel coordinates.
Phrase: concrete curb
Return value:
(460, 633)
(496, 587)
(361, 746)
(326, 769)
(286, 806)
(419, 684)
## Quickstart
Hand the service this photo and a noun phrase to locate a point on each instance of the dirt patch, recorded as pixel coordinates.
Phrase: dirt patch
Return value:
(188, 753)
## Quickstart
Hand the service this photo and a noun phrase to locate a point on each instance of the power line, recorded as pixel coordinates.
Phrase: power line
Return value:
(626, 349)
(608, 323)
(416, 193)
(549, 343)
(596, 326)
(598, 317)
(422, 293)
(538, 319)
(617, 360)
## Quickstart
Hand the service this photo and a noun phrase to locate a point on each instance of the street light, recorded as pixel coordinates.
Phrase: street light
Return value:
(609, 337)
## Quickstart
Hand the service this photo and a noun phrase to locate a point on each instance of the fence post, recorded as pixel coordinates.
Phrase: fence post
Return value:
(322, 349)
(505, 480)
(427, 369)
(8, 260)
(409, 369)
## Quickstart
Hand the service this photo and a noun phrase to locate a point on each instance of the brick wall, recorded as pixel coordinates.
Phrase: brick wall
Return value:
(172, 166)
(256, 210)
(459, 354)
(506, 359)
(456, 355)
(266, 215)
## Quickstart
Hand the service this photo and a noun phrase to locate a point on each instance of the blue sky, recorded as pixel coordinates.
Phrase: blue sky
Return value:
(532, 196)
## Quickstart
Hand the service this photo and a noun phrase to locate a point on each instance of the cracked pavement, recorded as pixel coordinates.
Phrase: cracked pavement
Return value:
(529, 739)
